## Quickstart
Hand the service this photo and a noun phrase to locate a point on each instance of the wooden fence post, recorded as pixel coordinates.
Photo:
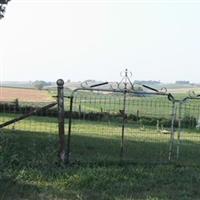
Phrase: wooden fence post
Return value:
(61, 118)
(16, 102)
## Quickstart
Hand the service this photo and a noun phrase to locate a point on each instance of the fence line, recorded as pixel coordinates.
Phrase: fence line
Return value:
(112, 125)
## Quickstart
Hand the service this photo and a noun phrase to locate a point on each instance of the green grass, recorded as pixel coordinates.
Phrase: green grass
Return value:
(152, 106)
(29, 170)
(93, 141)
(147, 106)
(29, 167)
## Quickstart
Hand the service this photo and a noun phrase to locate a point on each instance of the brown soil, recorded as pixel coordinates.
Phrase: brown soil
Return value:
(26, 95)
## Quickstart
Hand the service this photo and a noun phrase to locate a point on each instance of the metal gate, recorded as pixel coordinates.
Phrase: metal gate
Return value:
(185, 139)
(118, 123)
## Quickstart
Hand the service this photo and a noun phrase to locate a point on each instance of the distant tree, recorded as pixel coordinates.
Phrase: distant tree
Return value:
(149, 82)
(2, 7)
(183, 82)
(40, 84)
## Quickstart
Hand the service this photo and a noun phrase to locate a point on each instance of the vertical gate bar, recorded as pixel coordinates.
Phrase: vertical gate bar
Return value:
(69, 130)
(61, 122)
(124, 114)
(172, 130)
(179, 131)
(123, 126)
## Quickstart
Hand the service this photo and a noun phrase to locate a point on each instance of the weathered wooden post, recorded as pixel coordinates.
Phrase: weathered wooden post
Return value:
(158, 125)
(16, 102)
(79, 110)
(61, 119)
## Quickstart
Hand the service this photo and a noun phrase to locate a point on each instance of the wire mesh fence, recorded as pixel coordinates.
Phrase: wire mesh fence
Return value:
(98, 122)
(108, 126)
(186, 132)
(43, 121)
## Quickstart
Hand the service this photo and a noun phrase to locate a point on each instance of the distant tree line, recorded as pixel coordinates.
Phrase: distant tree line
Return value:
(40, 84)
(3, 7)
(150, 82)
(183, 82)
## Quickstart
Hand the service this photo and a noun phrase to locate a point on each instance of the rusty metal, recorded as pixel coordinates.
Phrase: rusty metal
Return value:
(27, 115)
(126, 80)
(61, 119)
(99, 84)
(172, 131)
(69, 131)
(179, 131)
(125, 86)
(177, 105)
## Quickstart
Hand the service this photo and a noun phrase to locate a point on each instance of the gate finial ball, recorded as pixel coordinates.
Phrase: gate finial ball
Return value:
(60, 82)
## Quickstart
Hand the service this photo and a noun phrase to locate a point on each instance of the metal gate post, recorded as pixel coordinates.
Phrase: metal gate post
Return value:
(61, 118)
(123, 127)
(179, 130)
(69, 130)
(124, 115)
(172, 130)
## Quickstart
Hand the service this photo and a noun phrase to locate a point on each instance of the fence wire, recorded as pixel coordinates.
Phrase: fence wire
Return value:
(97, 128)
(43, 121)
(187, 135)
(97, 120)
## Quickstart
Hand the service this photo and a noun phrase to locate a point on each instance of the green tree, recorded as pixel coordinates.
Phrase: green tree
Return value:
(2, 7)
(40, 84)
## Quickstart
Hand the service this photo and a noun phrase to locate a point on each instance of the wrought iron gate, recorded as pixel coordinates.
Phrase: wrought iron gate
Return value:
(122, 122)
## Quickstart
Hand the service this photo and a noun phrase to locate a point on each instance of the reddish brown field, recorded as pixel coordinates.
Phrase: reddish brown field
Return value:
(26, 95)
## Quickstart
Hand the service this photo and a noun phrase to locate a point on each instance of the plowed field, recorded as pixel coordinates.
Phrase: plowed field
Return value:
(27, 95)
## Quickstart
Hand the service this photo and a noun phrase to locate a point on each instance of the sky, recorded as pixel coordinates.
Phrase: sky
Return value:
(97, 39)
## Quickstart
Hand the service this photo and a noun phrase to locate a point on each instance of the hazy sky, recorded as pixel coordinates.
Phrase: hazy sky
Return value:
(96, 39)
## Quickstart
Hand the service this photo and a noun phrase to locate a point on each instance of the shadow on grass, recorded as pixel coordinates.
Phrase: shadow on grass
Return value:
(41, 149)
(29, 170)
(14, 188)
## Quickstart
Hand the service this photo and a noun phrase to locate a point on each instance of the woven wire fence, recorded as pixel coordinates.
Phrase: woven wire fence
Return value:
(97, 121)
(44, 121)
(187, 133)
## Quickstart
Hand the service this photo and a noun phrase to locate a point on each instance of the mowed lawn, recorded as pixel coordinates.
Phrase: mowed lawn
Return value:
(29, 167)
